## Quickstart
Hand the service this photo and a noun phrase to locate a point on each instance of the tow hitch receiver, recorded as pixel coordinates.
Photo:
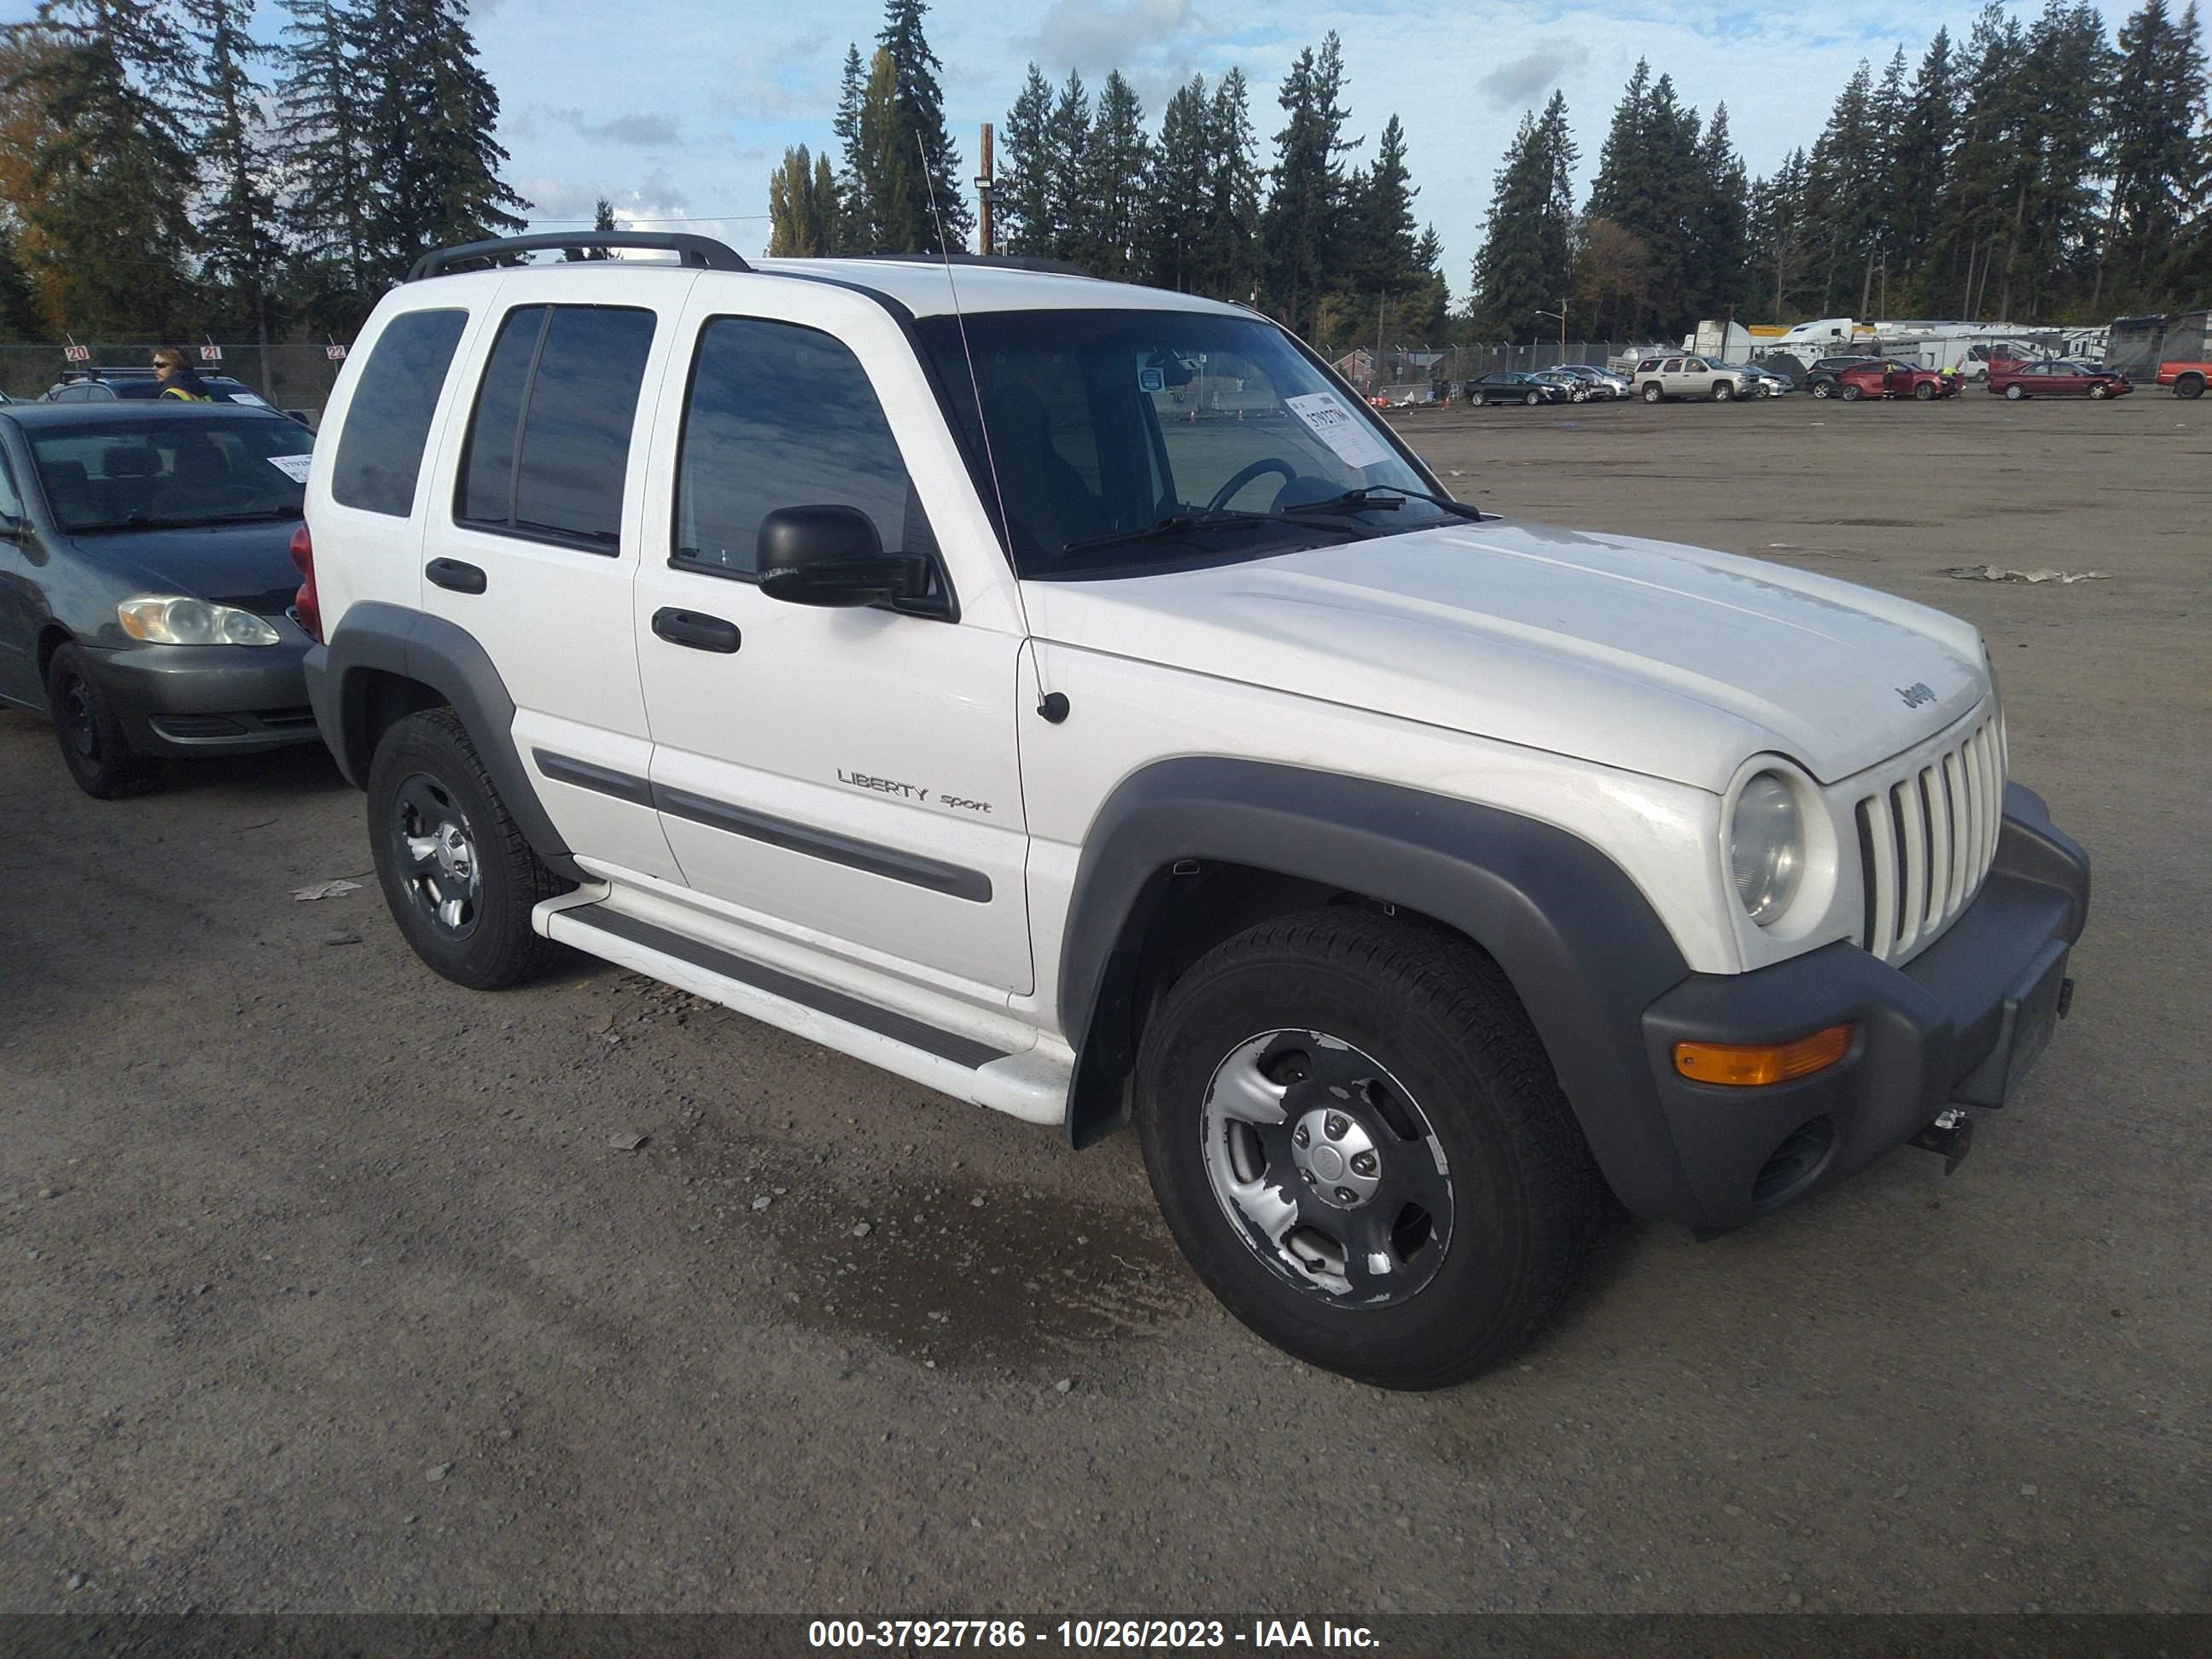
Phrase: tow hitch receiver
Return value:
(1952, 1133)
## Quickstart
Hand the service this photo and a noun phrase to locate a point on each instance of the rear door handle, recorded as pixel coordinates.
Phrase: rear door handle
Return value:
(453, 574)
(697, 630)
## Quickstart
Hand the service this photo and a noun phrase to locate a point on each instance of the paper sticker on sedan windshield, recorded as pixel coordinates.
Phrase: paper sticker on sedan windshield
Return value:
(294, 467)
(1337, 426)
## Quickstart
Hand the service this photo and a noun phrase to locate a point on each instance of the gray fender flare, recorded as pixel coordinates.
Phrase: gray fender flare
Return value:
(414, 645)
(1582, 945)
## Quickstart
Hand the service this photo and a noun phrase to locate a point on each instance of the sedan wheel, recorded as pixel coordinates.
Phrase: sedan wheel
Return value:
(2015, 391)
(1533, 399)
(2100, 390)
(1925, 391)
(1848, 392)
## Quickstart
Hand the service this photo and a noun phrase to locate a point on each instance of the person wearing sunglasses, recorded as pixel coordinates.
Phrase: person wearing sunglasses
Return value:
(174, 372)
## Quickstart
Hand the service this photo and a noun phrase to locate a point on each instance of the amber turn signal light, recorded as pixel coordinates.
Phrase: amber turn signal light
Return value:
(1747, 1065)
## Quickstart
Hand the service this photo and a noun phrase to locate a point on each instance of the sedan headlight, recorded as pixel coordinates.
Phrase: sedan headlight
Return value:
(173, 620)
(1766, 847)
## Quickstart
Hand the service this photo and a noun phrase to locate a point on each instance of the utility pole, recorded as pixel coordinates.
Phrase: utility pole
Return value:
(986, 239)
(1377, 376)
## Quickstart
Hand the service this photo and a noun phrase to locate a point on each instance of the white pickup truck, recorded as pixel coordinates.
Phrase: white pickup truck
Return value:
(884, 649)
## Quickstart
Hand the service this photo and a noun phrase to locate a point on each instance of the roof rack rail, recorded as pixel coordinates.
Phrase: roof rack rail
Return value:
(1002, 261)
(703, 252)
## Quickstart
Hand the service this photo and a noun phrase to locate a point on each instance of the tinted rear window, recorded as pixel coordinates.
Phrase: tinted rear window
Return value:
(549, 443)
(381, 450)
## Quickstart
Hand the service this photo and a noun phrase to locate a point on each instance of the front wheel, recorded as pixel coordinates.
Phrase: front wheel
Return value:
(1533, 399)
(2099, 392)
(1723, 392)
(1925, 391)
(1653, 393)
(459, 878)
(2015, 391)
(1357, 1139)
(93, 744)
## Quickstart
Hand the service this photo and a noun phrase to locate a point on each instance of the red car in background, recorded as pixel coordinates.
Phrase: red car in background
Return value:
(2061, 377)
(1882, 377)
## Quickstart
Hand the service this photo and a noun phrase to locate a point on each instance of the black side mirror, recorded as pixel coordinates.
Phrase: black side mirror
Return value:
(829, 555)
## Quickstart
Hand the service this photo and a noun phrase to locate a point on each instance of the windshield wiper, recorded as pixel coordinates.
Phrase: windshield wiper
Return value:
(1366, 498)
(259, 515)
(1175, 524)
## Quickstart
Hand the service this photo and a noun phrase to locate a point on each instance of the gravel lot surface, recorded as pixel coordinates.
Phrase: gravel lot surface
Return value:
(322, 1287)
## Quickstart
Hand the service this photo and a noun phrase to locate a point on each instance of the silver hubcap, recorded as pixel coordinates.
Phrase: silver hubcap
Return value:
(438, 866)
(1327, 1168)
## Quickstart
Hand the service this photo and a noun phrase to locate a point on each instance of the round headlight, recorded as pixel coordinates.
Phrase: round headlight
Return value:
(1766, 847)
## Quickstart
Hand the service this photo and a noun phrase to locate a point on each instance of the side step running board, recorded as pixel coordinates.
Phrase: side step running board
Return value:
(1027, 1085)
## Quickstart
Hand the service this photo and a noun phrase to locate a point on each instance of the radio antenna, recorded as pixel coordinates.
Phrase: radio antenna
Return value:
(1052, 705)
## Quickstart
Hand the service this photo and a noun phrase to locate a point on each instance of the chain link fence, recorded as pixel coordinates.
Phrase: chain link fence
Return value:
(294, 377)
(1414, 374)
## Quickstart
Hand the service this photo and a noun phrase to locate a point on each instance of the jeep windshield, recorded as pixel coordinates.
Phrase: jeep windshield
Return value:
(1124, 441)
(143, 472)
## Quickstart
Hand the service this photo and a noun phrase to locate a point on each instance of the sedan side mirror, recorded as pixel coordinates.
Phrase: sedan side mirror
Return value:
(829, 555)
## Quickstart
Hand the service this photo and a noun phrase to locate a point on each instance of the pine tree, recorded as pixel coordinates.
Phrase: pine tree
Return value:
(1780, 234)
(851, 89)
(2156, 155)
(432, 157)
(1426, 309)
(1302, 243)
(1117, 169)
(1025, 191)
(1175, 228)
(888, 209)
(1380, 248)
(1919, 154)
(1228, 261)
(1650, 186)
(109, 219)
(1523, 267)
(322, 120)
(1842, 186)
(932, 163)
(802, 204)
(231, 144)
(1719, 224)
(1067, 164)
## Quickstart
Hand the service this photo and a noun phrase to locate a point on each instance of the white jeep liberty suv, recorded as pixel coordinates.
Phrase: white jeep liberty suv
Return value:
(1068, 697)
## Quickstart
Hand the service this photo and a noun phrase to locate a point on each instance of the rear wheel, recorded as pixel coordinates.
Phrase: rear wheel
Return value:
(1849, 392)
(1357, 1139)
(459, 878)
(94, 747)
(1653, 392)
(1822, 388)
(2188, 386)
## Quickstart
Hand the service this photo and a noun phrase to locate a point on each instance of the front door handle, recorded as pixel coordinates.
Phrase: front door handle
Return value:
(699, 631)
(453, 574)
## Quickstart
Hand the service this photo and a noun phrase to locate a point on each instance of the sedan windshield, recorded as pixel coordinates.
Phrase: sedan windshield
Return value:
(1121, 441)
(149, 474)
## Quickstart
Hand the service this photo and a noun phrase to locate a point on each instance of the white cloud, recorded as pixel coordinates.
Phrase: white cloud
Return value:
(1078, 35)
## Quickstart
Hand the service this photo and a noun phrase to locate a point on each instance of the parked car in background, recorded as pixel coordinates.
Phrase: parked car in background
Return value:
(1619, 383)
(2060, 377)
(1882, 377)
(1511, 386)
(146, 581)
(1658, 379)
(1578, 390)
(1768, 382)
(2187, 379)
(126, 384)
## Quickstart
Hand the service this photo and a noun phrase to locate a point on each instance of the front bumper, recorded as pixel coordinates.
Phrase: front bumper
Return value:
(186, 699)
(1959, 1022)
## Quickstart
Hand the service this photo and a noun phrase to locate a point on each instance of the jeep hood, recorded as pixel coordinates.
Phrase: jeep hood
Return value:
(1654, 658)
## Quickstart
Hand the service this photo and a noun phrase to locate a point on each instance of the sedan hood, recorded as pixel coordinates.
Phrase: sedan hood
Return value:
(247, 565)
(1653, 658)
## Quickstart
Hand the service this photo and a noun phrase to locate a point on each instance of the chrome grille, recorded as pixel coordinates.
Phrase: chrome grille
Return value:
(1926, 838)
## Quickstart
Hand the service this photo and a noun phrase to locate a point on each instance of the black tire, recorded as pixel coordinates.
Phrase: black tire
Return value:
(94, 746)
(2188, 386)
(1849, 392)
(1522, 1197)
(465, 906)
(1925, 391)
(2099, 390)
(1653, 392)
(1822, 388)
(1723, 392)
(1533, 399)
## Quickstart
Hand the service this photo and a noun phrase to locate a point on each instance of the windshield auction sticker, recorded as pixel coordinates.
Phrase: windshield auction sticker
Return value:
(1340, 429)
(294, 467)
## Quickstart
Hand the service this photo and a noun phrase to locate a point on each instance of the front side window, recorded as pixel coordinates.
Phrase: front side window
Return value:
(1120, 442)
(778, 415)
(381, 450)
(548, 441)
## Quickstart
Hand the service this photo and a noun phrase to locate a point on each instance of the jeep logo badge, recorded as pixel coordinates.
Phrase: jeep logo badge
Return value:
(1915, 695)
